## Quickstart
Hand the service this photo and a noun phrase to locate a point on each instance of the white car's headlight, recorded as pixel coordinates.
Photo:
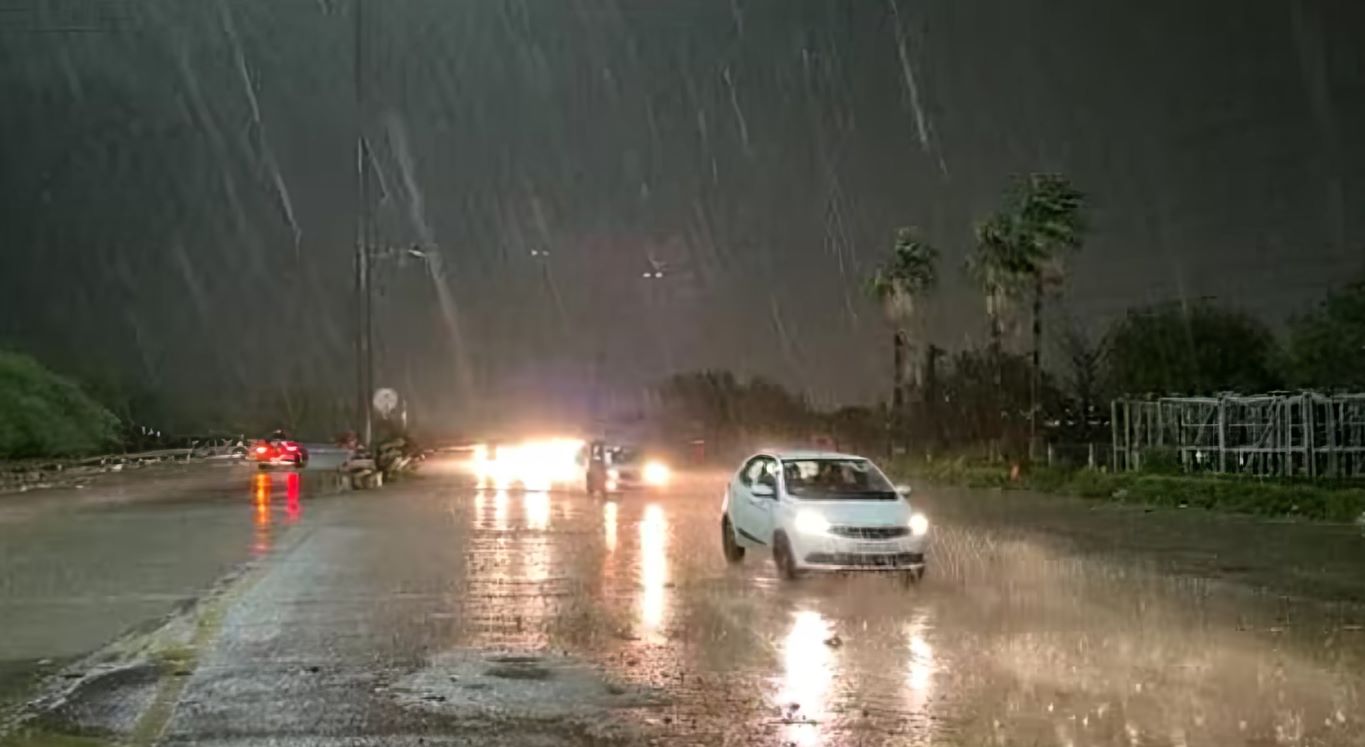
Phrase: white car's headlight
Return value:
(919, 524)
(613, 474)
(810, 522)
(656, 473)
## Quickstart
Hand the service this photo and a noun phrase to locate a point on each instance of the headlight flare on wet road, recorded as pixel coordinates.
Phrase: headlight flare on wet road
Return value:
(1012, 639)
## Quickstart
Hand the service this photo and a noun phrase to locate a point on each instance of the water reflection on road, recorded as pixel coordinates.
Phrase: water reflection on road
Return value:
(261, 518)
(1007, 644)
(653, 572)
(264, 507)
(511, 579)
(808, 670)
(609, 509)
(920, 664)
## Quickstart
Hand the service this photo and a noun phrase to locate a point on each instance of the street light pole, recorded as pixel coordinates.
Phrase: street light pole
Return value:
(364, 347)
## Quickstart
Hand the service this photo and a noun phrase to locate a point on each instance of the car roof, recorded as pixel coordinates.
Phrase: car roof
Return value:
(795, 454)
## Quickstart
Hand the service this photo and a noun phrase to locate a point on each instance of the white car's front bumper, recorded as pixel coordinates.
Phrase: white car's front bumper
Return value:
(868, 552)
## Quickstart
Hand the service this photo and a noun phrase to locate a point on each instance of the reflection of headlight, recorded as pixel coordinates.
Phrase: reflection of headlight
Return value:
(613, 474)
(919, 524)
(656, 473)
(809, 522)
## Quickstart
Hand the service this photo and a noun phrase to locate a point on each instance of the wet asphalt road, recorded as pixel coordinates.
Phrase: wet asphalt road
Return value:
(432, 613)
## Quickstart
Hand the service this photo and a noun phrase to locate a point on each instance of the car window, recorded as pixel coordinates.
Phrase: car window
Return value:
(750, 471)
(766, 467)
(756, 466)
(824, 479)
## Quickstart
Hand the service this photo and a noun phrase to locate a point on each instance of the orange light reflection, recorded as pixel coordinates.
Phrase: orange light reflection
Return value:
(261, 491)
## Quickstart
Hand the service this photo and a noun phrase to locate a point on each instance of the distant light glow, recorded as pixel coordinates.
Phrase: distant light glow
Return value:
(657, 473)
(534, 465)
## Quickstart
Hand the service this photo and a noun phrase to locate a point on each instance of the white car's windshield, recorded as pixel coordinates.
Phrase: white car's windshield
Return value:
(820, 479)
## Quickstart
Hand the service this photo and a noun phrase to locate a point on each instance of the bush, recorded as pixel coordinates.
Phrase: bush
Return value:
(1161, 460)
(46, 415)
(1331, 502)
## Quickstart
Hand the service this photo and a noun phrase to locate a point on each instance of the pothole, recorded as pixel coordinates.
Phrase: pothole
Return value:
(518, 672)
(518, 684)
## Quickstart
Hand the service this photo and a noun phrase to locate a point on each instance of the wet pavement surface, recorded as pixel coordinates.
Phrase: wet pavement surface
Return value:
(432, 613)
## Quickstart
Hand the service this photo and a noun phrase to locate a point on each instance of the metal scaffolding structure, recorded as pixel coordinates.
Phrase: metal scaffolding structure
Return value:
(1272, 435)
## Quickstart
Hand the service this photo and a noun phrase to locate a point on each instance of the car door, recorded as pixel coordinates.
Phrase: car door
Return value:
(752, 513)
(743, 508)
(765, 506)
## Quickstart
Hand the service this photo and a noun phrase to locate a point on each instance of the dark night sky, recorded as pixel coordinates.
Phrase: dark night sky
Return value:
(178, 195)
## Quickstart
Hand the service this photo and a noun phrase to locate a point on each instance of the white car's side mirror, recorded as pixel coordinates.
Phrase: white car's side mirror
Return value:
(763, 490)
(903, 490)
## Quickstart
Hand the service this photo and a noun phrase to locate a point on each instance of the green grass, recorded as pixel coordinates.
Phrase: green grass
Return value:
(31, 737)
(1260, 497)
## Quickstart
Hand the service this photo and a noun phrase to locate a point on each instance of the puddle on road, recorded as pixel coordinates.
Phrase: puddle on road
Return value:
(524, 685)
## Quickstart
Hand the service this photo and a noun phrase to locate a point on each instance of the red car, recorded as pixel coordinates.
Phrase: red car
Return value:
(279, 453)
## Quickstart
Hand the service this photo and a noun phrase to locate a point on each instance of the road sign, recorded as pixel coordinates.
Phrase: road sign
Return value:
(385, 401)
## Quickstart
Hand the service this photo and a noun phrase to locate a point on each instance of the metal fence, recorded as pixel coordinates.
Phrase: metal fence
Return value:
(1282, 435)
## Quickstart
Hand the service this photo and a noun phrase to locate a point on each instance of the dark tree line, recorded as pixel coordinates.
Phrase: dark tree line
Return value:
(980, 398)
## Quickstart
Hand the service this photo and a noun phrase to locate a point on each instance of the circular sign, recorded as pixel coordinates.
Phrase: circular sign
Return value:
(385, 401)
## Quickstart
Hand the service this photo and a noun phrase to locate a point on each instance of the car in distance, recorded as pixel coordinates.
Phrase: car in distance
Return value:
(822, 511)
(279, 452)
(629, 469)
(623, 468)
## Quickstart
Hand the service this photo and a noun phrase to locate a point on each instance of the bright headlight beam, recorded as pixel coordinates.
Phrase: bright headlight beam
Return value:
(810, 522)
(656, 473)
(919, 524)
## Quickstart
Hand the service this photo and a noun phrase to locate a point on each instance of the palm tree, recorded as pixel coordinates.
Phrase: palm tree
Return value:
(1022, 247)
(900, 284)
(995, 268)
(1050, 224)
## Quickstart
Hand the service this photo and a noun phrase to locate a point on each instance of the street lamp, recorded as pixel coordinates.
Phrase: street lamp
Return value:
(366, 260)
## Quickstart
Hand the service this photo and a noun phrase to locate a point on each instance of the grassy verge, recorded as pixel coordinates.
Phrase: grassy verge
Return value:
(1241, 495)
(39, 738)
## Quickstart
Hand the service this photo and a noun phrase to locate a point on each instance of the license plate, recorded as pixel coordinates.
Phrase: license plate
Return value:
(872, 548)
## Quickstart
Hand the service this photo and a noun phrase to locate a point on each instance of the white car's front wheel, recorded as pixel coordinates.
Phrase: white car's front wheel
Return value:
(733, 552)
(784, 559)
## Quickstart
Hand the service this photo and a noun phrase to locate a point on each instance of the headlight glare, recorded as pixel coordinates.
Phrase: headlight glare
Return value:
(810, 522)
(919, 524)
(656, 474)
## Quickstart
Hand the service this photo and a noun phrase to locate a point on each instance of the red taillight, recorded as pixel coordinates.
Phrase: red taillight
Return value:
(261, 449)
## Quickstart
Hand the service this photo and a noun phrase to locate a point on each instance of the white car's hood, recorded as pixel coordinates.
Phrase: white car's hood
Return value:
(861, 513)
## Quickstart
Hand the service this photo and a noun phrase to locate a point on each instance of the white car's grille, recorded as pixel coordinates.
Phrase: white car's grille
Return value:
(869, 533)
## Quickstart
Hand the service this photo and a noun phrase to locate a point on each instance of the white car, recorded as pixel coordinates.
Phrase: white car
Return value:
(822, 511)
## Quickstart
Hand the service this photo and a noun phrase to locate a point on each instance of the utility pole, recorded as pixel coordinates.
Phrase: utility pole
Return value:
(364, 342)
